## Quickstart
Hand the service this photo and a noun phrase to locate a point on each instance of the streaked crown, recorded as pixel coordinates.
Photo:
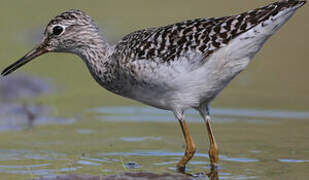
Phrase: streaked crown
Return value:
(70, 30)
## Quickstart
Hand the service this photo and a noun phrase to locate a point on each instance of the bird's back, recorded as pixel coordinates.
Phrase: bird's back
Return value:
(190, 62)
(202, 35)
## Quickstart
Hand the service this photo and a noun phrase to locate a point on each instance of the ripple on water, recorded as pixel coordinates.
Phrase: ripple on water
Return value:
(147, 113)
(23, 166)
(44, 170)
(176, 154)
(293, 161)
(13, 155)
(88, 163)
(139, 139)
(100, 160)
(35, 169)
(85, 131)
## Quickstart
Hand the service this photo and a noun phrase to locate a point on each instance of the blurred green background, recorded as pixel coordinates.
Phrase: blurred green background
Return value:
(276, 79)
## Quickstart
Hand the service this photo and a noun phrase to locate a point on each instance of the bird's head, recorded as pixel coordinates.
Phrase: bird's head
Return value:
(69, 32)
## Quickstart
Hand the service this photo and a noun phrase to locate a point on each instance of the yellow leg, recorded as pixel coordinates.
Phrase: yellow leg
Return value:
(190, 146)
(213, 149)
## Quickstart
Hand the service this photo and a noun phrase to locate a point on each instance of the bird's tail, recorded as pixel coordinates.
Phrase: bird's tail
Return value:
(280, 10)
(264, 13)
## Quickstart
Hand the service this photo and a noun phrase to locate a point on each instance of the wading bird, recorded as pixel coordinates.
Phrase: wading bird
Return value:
(174, 67)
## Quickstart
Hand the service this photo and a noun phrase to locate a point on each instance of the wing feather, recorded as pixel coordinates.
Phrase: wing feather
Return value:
(202, 35)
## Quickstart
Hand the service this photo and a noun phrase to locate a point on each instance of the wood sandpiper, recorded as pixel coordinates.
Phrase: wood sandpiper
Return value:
(174, 67)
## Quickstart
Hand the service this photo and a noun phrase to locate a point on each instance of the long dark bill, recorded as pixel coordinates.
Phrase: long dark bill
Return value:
(28, 57)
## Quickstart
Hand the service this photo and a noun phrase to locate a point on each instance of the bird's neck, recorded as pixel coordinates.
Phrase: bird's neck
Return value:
(95, 53)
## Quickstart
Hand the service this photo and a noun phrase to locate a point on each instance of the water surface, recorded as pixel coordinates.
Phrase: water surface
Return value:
(96, 144)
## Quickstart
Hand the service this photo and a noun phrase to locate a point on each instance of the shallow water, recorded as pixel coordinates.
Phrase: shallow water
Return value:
(260, 121)
(254, 147)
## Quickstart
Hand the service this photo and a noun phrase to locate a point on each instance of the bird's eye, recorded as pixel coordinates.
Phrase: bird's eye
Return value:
(57, 30)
